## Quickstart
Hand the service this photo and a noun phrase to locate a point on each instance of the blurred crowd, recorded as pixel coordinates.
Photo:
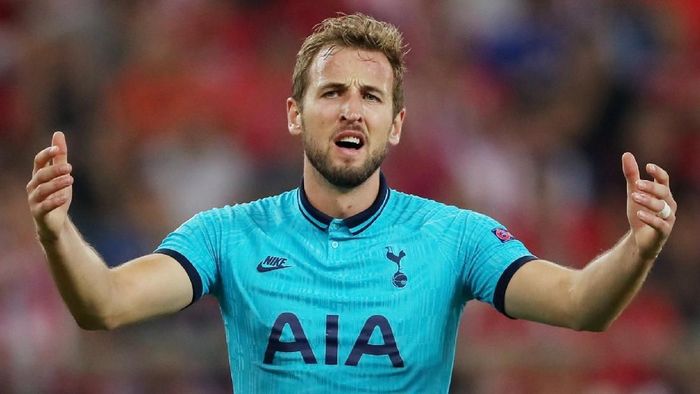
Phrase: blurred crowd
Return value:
(519, 109)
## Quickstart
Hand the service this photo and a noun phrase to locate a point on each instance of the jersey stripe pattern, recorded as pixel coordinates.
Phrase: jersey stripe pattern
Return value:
(370, 303)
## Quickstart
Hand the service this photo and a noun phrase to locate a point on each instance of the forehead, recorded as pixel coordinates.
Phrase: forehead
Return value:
(345, 65)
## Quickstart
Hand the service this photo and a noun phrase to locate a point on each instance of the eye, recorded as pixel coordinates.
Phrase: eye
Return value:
(371, 97)
(330, 94)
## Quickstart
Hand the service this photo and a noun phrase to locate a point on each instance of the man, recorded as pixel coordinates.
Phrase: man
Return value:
(344, 284)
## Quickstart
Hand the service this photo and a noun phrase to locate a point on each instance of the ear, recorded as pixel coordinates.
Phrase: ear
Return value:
(293, 117)
(395, 132)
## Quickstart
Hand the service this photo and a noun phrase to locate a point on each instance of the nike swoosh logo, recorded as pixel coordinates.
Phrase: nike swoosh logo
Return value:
(262, 268)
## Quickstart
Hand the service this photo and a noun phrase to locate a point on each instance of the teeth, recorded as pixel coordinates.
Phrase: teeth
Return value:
(352, 140)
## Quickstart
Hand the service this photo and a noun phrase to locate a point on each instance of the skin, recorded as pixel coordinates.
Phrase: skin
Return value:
(349, 92)
(591, 298)
(97, 297)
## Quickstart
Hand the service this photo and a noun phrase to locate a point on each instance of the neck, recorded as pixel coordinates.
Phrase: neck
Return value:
(338, 202)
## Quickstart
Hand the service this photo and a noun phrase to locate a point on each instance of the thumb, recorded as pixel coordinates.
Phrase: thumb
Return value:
(59, 140)
(630, 169)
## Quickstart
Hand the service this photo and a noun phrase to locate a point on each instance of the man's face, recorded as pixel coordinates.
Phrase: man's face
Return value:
(347, 123)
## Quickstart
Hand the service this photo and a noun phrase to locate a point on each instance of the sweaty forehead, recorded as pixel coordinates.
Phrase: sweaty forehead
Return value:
(351, 66)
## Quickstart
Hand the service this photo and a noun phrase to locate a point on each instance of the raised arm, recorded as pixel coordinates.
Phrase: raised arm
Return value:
(591, 298)
(97, 297)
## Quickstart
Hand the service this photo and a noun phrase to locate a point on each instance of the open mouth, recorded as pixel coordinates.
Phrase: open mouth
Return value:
(350, 141)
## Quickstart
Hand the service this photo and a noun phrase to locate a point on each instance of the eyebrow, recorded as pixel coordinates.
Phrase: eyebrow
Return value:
(344, 87)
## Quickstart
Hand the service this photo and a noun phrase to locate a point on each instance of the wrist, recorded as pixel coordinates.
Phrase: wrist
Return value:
(50, 238)
(46, 238)
(642, 256)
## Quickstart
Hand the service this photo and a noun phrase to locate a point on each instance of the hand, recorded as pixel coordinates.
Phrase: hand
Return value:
(645, 199)
(50, 190)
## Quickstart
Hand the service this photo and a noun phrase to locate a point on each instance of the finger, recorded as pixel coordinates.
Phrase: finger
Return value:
(59, 140)
(630, 169)
(654, 205)
(46, 174)
(42, 158)
(659, 174)
(41, 209)
(655, 189)
(660, 225)
(44, 190)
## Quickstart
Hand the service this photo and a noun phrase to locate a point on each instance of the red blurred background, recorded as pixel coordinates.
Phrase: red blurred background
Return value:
(516, 108)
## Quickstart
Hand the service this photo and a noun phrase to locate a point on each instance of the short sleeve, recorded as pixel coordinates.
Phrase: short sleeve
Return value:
(493, 255)
(193, 245)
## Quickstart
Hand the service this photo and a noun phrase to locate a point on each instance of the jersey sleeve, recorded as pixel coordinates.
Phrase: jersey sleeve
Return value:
(193, 245)
(493, 255)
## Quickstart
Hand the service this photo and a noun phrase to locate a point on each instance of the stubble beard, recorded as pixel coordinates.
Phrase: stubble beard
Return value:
(342, 176)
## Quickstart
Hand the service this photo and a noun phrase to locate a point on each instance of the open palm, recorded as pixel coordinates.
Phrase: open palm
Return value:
(50, 191)
(644, 200)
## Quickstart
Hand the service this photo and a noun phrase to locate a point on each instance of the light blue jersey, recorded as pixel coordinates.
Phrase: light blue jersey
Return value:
(370, 303)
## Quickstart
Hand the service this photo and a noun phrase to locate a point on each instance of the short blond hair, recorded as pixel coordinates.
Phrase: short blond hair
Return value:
(352, 31)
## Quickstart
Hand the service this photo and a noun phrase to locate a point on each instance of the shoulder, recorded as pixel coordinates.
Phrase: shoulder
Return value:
(271, 206)
(263, 211)
(439, 218)
(426, 211)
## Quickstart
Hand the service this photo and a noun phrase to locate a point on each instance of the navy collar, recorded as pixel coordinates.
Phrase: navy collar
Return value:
(356, 223)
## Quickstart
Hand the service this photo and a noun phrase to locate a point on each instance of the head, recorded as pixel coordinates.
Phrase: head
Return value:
(347, 96)
(353, 31)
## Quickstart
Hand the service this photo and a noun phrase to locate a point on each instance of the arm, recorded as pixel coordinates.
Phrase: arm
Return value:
(97, 297)
(591, 298)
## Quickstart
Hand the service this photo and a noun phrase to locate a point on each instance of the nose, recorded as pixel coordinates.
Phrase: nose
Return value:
(351, 110)
(351, 117)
